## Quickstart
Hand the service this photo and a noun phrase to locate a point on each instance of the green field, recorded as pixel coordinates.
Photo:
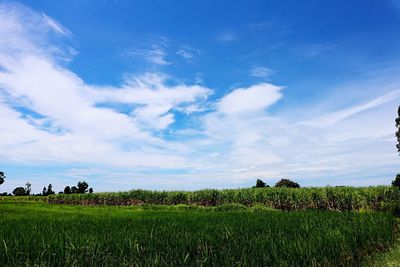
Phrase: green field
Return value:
(378, 198)
(40, 234)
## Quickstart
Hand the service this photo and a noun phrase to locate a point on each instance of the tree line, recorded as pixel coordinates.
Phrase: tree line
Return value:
(80, 188)
(281, 183)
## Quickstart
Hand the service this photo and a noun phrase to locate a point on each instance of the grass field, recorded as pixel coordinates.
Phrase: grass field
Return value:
(39, 234)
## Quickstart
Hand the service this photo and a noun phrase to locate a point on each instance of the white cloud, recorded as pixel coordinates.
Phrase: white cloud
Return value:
(155, 99)
(74, 127)
(252, 99)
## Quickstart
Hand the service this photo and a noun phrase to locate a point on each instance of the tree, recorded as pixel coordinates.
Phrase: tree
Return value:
(50, 190)
(287, 183)
(2, 177)
(19, 191)
(67, 190)
(82, 187)
(396, 181)
(74, 190)
(28, 189)
(398, 130)
(260, 184)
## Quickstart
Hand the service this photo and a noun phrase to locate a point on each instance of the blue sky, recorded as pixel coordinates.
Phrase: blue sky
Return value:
(198, 94)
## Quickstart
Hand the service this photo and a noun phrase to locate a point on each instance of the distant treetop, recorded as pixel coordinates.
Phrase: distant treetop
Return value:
(260, 184)
(287, 183)
(398, 130)
(2, 177)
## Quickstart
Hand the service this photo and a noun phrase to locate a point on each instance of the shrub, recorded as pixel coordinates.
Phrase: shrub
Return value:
(260, 184)
(67, 190)
(19, 191)
(287, 183)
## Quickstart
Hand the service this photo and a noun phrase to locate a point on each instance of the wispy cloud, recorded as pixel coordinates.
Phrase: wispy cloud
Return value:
(57, 27)
(261, 72)
(188, 53)
(152, 50)
(154, 55)
(334, 117)
(312, 50)
(227, 37)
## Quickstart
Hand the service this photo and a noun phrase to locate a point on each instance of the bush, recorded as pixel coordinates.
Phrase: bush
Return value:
(287, 183)
(260, 184)
(19, 191)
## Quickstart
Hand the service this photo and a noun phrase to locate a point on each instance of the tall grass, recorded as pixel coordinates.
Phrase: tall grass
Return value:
(38, 234)
(323, 198)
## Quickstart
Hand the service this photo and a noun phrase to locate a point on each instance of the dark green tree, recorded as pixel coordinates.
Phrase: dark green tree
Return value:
(50, 190)
(398, 130)
(287, 183)
(19, 191)
(90, 190)
(260, 184)
(396, 181)
(67, 190)
(2, 177)
(28, 188)
(74, 190)
(82, 187)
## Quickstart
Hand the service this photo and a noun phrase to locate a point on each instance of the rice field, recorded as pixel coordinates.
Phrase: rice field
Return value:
(39, 234)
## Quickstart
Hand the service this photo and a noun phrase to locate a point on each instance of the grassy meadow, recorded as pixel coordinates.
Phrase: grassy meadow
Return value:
(39, 234)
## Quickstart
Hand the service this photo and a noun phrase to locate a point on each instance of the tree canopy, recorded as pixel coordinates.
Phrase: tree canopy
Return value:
(2, 177)
(287, 183)
(19, 191)
(82, 187)
(398, 130)
(48, 191)
(260, 184)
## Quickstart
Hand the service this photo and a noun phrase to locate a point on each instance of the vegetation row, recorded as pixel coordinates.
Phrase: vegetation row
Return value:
(377, 198)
